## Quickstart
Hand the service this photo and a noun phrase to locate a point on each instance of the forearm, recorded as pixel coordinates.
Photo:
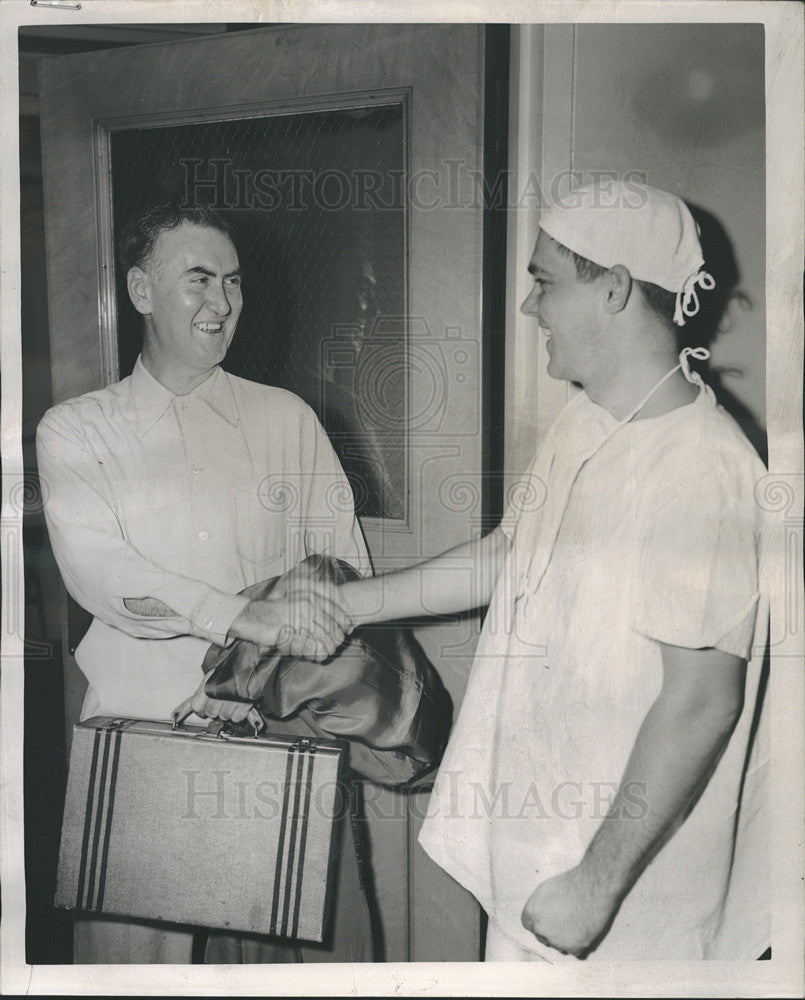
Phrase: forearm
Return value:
(673, 756)
(457, 580)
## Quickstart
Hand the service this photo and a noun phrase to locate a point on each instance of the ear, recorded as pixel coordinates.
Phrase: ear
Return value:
(139, 286)
(619, 288)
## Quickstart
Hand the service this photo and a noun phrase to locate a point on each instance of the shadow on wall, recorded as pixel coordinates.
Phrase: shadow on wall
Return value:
(712, 321)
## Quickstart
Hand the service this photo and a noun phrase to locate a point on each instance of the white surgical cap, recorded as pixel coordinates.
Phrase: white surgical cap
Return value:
(650, 232)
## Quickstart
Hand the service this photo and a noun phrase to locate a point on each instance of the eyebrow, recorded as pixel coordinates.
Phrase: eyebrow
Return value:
(211, 274)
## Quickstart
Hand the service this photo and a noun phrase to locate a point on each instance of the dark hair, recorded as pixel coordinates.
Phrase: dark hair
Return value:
(141, 231)
(586, 270)
(659, 300)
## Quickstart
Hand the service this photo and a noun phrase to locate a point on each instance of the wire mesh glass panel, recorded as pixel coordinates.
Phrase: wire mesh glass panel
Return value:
(316, 200)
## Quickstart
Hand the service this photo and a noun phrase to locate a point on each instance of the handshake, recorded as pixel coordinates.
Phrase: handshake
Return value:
(303, 616)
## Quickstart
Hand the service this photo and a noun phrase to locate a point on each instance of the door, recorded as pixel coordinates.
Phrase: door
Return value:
(349, 158)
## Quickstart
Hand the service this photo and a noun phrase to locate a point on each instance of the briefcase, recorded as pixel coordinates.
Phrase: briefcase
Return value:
(197, 826)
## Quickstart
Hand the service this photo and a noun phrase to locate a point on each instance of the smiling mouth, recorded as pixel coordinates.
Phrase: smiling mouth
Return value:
(209, 327)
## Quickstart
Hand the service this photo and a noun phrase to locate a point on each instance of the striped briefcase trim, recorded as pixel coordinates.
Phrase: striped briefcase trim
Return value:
(98, 815)
(289, 867)
(303, 844)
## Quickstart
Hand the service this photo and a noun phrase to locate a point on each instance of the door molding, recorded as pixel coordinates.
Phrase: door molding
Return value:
(541, 149)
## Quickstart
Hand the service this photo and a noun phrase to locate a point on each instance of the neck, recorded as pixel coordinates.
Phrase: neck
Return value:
(174, 379)
(631, 382)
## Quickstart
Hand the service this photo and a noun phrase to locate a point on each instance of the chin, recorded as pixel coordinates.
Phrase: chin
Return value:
(215, 350)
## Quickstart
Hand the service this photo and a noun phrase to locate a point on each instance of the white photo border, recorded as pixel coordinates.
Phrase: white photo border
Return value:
(785, 141)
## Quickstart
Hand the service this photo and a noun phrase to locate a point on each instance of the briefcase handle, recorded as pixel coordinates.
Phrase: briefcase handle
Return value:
(215, 727)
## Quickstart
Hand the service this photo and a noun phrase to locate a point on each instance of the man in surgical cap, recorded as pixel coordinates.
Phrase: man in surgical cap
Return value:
(604, 792)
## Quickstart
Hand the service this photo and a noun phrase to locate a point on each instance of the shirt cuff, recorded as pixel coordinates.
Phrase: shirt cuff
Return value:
(215, 614)
(210, 611)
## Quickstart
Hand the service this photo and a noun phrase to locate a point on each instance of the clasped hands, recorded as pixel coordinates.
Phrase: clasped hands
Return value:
(300, 617)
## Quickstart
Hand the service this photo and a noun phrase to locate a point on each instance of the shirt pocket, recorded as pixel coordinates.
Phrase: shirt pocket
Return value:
(261, 539)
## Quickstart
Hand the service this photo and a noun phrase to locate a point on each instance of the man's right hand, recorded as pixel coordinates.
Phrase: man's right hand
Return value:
(306, 622)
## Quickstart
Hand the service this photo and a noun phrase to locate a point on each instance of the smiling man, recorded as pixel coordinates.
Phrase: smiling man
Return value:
(604, 791)
(188, 290)
(158, 518)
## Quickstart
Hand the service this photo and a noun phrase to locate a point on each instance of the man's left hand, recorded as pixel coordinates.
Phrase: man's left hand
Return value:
(216, 708)
(567, 913)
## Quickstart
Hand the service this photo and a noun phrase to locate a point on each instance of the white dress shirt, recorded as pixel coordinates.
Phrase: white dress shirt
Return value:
(186, 499)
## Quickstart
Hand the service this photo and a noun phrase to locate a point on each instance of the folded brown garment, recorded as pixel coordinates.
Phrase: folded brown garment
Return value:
(379, 691)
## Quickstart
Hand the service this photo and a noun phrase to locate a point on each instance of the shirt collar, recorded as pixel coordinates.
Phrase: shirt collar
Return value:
(151, 399)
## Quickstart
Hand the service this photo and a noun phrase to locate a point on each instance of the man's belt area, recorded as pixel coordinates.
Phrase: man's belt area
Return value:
(379, 691)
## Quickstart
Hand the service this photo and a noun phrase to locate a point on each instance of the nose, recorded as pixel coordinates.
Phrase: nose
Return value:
(530, 303)
(218, 300)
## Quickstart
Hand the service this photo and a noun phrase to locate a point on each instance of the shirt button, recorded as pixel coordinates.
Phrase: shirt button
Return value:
(207, 623)
(204, 535)
(196, 470)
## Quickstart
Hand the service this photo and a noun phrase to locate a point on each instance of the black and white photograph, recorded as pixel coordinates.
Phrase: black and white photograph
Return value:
(402, 526)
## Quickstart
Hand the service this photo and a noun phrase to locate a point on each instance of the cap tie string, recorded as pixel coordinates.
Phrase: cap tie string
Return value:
(687, 301)
(701, 354)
